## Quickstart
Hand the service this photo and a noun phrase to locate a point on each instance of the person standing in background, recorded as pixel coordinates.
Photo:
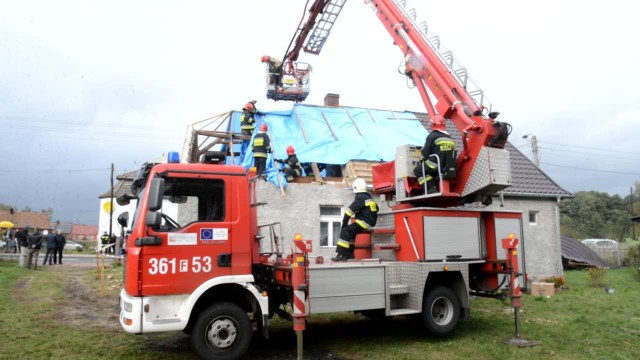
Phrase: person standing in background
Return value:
(51, 248)
(34, 244)
(60, 242)
(22, 237)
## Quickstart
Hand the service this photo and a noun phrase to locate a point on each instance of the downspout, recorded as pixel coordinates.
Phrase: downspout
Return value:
(559, 269)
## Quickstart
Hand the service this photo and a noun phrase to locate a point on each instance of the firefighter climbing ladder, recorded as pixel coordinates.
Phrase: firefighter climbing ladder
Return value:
(322, 29)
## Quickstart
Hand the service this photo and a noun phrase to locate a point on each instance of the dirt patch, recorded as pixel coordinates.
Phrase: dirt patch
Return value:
(84, 306)
(21, 290)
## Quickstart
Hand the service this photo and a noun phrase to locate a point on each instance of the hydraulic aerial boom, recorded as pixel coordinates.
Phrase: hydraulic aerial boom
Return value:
(289, 79)
(483, 166)
(451, 100)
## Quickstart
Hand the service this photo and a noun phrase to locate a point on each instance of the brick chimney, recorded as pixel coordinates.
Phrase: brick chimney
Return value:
(332, 100)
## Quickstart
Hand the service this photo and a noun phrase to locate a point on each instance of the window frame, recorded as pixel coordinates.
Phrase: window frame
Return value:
(330, 220)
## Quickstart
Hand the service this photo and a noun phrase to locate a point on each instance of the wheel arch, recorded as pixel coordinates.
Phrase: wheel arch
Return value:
(454, 281)
(230, 292)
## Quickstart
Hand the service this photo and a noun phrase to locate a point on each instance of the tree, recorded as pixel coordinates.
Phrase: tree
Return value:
(591, 214)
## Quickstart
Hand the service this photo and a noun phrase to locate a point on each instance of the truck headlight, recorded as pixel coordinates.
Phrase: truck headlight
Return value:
(127, 306)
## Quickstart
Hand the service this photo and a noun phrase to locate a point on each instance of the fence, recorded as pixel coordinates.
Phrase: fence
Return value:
(613, 255)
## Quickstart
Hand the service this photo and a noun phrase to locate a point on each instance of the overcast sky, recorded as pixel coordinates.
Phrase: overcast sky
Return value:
(84, 84)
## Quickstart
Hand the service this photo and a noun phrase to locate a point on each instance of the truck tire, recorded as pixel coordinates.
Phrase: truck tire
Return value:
(440, 311)
(222, 331)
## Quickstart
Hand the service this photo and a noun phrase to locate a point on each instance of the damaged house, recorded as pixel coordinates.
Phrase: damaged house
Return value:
(337, 144)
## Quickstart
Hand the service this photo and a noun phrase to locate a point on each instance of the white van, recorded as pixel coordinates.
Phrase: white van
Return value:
(600, 243)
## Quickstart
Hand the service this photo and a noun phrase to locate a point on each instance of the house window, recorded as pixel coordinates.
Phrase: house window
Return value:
(533, 217)
(330, 222)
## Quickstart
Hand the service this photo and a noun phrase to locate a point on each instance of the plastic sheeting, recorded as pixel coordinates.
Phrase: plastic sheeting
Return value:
(336, 135)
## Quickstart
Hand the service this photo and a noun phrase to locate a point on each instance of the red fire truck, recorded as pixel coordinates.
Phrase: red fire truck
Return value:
(211, 273)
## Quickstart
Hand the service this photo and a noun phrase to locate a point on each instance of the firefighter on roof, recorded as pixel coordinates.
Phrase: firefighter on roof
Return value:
(261, 149)
(365, 210)
(292, 167)
(438, 143)
(247, 122)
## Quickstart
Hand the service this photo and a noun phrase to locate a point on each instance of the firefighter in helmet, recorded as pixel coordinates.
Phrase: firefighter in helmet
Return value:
(261, 149)
(292, 167)
(247, 122)
(440, 144)
(275, 68)
(365, 211)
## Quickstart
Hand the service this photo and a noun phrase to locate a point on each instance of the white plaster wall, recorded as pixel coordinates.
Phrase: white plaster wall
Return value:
(543, 257)
(103, 217)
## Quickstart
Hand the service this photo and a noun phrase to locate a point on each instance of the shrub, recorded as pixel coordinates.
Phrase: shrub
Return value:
(633, 259)
(597, 276)
(558, 281)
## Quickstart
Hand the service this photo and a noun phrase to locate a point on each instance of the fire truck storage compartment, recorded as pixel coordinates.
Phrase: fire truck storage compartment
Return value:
(346, 287)
(452, 238)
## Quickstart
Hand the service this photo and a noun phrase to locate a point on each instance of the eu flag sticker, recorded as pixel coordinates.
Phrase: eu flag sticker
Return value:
(206, 234)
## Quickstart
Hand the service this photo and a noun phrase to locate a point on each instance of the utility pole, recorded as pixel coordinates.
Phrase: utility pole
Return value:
(534, 149)
(633, 223)
(111, 204)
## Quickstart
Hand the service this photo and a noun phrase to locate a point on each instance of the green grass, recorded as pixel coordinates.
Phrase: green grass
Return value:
(581, 322)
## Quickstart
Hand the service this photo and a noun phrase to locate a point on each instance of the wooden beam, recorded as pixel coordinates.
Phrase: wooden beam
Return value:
(304, 134)
(329, 126)
(353, 121)
(372, 118)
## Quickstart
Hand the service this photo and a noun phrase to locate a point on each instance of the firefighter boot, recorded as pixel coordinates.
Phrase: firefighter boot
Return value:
(343, 255)
(339, 257)
(432, 186)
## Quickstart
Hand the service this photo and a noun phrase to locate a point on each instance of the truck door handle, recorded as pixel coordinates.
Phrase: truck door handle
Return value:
(224, 260)
(149, 240)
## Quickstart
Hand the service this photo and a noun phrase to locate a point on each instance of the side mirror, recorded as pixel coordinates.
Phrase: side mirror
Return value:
(153, 219)
(123, 219)
(156, 193)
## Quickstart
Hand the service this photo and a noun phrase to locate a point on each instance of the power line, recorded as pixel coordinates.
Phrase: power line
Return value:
(608, 155)
(594, 170)
(41, 171)
(592, 148)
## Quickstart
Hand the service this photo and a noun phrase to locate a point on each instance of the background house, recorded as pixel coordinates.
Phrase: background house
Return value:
(121, 187)
(20, 219)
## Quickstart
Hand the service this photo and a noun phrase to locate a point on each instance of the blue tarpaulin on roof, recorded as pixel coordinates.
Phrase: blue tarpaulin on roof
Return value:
(335, 135)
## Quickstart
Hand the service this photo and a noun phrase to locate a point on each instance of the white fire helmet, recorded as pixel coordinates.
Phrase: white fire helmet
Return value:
(359, 186)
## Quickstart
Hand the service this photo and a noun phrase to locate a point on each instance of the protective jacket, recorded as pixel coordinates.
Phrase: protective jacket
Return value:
(365, 210)
(105, 239)
(261, 145)
(292, 167)
(247, 122)
(440, 144)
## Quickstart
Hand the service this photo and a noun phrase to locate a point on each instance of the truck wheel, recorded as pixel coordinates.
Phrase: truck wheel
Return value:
(223, 331)
(441, 311)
